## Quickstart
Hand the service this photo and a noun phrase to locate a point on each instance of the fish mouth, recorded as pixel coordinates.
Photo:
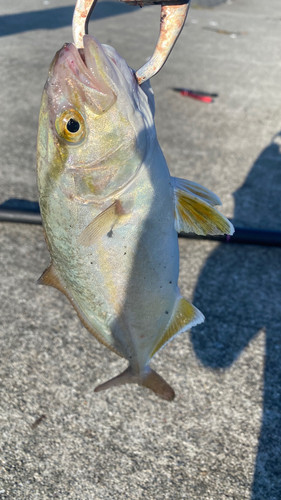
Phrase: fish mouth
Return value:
(90, 67)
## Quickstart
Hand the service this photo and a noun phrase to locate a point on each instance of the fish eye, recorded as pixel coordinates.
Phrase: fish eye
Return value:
(70, 125)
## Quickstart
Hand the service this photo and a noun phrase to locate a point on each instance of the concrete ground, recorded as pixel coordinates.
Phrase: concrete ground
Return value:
(221, 437)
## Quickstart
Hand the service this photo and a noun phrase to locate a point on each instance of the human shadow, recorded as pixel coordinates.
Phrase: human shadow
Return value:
(50, 19)
(239, 292)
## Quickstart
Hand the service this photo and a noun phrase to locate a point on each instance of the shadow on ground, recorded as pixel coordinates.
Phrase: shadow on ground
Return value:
(239, 291)
(50, 19)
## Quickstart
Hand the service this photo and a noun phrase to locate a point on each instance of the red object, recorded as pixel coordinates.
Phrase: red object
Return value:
(199, 97)
(196, 94)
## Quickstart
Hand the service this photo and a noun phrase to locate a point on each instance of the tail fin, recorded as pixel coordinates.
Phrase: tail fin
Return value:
(149, 379)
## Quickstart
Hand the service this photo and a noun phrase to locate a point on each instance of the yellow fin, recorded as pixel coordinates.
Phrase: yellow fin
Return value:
(193, 188)
(101, 224)
(51, 277)
(185, 316)
(194, 213)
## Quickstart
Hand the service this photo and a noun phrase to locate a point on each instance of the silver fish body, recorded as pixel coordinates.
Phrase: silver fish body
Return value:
(111, 210)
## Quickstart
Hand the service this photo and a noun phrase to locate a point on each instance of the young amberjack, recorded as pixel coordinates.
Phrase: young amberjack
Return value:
(111, 211)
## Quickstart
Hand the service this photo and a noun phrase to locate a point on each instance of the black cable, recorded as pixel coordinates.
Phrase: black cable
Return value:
(20, 216)
(17, 210)
(28, 212)
(243, 235)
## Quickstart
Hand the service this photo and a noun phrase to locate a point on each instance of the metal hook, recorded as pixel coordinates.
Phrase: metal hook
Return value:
(82, 13)
(171, 23)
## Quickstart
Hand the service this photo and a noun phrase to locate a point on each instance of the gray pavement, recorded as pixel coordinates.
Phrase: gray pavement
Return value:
(221, 437)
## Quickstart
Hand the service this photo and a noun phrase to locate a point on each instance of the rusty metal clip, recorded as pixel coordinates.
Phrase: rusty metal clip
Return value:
(82, 13)
(171, 23)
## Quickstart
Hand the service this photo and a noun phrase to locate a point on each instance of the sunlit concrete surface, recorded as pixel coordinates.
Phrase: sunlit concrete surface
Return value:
(221, 437)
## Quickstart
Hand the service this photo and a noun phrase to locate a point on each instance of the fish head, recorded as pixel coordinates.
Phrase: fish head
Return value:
(96, 124)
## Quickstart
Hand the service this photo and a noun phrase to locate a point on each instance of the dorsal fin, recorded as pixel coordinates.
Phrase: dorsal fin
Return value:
(51, 277)
(185, 316)
(194, 212)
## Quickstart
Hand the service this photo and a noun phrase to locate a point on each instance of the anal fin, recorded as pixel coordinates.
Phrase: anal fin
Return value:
(185, 316)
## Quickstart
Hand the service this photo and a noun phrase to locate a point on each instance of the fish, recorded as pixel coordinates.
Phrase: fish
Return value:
(112, 212)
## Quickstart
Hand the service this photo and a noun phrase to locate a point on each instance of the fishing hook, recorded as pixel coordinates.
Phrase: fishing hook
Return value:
(171, 23)
(82, 13)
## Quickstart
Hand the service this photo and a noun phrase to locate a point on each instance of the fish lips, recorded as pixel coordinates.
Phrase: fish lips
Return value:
(90, 68)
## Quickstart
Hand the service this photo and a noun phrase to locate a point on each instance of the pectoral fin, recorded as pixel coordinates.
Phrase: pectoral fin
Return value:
(194, 212)
(185, 316)
(102, 224)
